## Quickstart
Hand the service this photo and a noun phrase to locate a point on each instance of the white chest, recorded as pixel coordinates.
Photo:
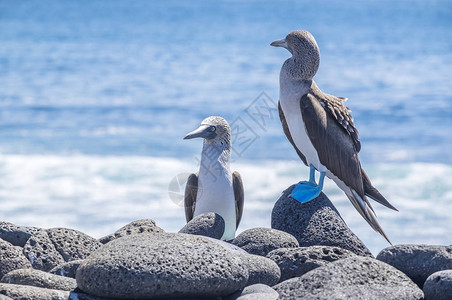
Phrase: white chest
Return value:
(289, 96)
(216, 194)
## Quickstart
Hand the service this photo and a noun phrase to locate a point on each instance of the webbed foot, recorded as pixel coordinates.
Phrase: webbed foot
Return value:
(306, 191)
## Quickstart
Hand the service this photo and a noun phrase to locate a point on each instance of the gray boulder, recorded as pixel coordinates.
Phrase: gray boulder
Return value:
(316, 222)
(3, 297)
(418, 261)
(16, 235)
(261, 270)
(351, 278)
(72, 244)
(11, 258)
(260, 241)
(295, 262)
(438, 286)
(67, 269)
(210, 225)
(39, 279)
(254, 292)
(135, 227)
(49, 248)
(161, 265)
(24, 292)
(41, 252)
(76, 295)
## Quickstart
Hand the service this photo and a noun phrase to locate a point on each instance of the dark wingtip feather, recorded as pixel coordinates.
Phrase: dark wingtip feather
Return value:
(366, 211)
(373, 193)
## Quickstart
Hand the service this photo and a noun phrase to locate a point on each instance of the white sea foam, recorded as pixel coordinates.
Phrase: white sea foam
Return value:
(97, 195)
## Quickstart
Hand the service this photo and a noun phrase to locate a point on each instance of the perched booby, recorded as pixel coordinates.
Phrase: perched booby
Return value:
(320, 128)
(214, 188)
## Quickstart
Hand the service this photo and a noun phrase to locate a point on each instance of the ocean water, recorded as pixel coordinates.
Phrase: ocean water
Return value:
(96, 96)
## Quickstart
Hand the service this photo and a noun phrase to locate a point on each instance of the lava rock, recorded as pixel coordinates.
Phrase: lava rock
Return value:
(11, 258)
(260, 241)
(67, 269)
(438, 286)
(72, 244)
(254, 292)
(261, 270)
(229, 247)
(135, 227)
(316, 222)
(79, 295)
(41, 252)
(351, 278)
(24, 292)
(16, 235)
(210, 225)
(107, 239)
(161, 265)
(418, 261)
(294, 262)
(39, 279)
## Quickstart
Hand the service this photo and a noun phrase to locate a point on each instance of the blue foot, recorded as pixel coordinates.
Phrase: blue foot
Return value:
(306, 191)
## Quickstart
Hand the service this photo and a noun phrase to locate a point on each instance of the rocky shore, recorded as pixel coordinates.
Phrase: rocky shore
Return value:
(309, 253)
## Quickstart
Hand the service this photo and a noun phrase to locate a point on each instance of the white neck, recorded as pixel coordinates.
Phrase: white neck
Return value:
(214, 160)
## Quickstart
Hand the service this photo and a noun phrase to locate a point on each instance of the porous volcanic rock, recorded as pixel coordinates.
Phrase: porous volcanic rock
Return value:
(161, 265)
(11, 258)
(260, 241)
(254, 292)
(41, 252)
(351, 278)
(26, 292)
(16, 235)
(72, 244)
(135, 227)
(316, 222)
(261, 270)
(209, 224)
(438, 286)
(67, 269)
(295, 262)
(39, 279)
(418, 261)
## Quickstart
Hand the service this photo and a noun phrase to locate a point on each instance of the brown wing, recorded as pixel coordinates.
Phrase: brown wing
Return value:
(341, 113)
(334, 145)
(337, 152)
(287, 133)
(191, 191)
(239, 196)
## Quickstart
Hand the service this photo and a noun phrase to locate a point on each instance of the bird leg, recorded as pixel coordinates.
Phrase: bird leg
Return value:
(311, 174)
(306, 191)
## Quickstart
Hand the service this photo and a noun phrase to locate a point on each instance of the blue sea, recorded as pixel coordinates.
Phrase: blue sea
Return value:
(96, 97)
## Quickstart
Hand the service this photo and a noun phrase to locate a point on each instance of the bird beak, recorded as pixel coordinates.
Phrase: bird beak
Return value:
(200, 132)
(279, 43)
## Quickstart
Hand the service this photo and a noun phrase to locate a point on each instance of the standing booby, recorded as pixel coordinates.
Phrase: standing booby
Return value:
(214, 188)
(320, 128)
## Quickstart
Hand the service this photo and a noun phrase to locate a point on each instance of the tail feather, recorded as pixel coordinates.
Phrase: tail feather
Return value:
(366, 211)
(372, 192)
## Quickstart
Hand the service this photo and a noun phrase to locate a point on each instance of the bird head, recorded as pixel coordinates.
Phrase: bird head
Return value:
(214, 130)
(305, 52)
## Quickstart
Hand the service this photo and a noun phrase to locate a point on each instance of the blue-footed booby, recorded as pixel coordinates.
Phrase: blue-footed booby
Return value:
(214, 188)
(320, 128)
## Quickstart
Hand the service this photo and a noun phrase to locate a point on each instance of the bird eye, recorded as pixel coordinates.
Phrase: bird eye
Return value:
(213, 128)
